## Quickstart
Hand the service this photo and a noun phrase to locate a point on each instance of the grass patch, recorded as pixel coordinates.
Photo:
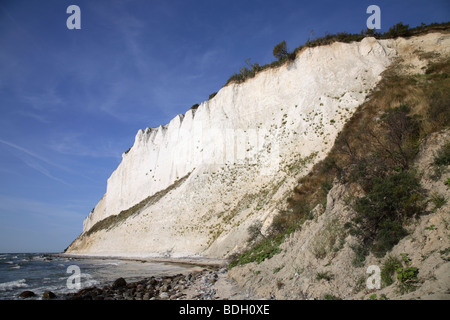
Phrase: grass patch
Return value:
(438, 200)
(388, 269)
(265, 249)
(328, 276)
(442, 158)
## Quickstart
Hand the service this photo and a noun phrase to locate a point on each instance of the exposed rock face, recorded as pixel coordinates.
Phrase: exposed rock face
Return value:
(194, 186)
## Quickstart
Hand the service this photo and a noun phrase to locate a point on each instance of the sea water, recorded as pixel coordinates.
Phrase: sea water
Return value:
(40, 272)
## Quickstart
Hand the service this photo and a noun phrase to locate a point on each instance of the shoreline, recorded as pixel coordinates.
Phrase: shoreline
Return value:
(191, 261)
(204, 279)
(195, 285)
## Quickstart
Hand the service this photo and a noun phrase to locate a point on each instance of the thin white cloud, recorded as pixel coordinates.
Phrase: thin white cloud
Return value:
(45, 100)
(75, 145)
(30, 160)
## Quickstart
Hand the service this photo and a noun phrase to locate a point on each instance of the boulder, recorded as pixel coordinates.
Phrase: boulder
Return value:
(49, 295)
(119, 283)
(27, 294)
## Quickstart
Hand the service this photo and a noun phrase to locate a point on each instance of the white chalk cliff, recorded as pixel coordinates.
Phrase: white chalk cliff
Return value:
(193, 187)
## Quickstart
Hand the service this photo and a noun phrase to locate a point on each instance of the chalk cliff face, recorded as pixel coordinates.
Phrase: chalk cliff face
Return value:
(194, 186)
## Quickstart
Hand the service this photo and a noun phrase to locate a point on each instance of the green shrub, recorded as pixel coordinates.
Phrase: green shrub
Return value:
(398, 30)
(381, 212)
(388, 269)
(407, 275)
(361, 252)
(389, 234)
(402, 133)
(254, 231)
(442, 158)
(280, 51)
(265, 249)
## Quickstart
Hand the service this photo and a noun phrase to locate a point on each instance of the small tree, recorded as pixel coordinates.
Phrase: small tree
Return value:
(280, 50)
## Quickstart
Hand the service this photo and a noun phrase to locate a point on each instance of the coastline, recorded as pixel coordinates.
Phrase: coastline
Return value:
(195, 285)
(183, 260)
(203, 279)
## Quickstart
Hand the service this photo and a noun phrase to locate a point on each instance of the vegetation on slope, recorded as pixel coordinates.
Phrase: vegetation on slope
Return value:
(283, 56)
(375, 153)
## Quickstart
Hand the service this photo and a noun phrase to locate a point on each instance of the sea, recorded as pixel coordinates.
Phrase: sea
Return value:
(40, 272)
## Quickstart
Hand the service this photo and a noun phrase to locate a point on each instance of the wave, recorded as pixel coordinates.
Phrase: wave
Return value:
(13, 284)
(109, 264)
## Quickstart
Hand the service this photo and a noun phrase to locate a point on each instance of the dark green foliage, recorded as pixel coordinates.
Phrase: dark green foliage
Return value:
(280, 51)
(388, 269)
(195, 106)
(263, 250)
(384, 208)
(246, 72)
(398, 30)
(401, 142)
(212, 95)
(407, 275)
(326, 186)
(393, 192)
(389, 234)
(361, 253)
(442, 158)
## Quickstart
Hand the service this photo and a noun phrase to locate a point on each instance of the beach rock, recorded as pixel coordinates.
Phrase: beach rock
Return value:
(49, 295)
(176, 296)
(27, 294)
(140, 288)
(138, 296)
(119, 283)
(127, 296)
(166, 287)
(164, 296)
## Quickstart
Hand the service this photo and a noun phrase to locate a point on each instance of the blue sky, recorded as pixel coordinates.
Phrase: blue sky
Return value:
(71, 101)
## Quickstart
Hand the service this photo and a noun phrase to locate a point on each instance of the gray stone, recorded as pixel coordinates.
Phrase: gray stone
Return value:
(49, 295)
(164, 295)
(27, 294)
(119, 283)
